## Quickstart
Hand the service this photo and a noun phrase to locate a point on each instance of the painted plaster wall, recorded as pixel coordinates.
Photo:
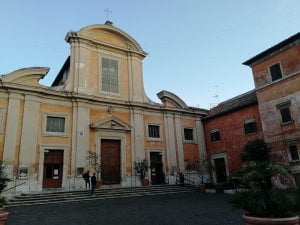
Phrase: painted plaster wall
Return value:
(233, 137)
(289, 62)
(49, 140)
(101, 114)
(150, 143)
(19, 130)
(191, 150)
(3, 107)
(272, 94)
(107, 37)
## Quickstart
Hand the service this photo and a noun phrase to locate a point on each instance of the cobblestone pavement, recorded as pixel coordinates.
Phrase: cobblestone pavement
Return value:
(172, 209)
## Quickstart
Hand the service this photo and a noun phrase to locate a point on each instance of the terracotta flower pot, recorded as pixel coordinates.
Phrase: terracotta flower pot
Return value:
(248, 220)
(145, 182)
(98, 184)
(202, 187)
(3, 216)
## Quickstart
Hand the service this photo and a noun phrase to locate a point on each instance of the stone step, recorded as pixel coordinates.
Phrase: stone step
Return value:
(106, 190)
(99, 194)
(101, 191)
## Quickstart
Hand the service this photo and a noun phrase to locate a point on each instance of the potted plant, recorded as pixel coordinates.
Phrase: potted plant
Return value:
(141, 168)
(95, 163)
(263, 203)
(202, 167)
(3, 183)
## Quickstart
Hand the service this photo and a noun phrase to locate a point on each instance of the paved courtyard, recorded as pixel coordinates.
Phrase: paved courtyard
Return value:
(172, 209)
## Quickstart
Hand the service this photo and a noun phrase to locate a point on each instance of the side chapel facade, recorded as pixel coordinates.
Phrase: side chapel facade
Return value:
(96, 103)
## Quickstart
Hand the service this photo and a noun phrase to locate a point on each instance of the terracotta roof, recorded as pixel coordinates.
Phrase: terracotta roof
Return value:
(280, 45)
(233, 104)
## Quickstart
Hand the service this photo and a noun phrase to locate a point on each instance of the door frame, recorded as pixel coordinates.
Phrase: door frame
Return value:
(114, 136)
(218, 156)
(163, 159)
(63, 148)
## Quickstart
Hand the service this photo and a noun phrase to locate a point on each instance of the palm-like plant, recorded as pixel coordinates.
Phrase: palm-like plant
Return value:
(3, 183)
(261, 199)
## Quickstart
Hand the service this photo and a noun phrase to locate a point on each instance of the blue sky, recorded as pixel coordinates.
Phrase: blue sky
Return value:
(196, 47)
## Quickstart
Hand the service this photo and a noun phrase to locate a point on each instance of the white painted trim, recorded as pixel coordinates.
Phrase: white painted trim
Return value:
(214, 130)
(284, 106)
(194, 141)
(54, 114)
(2, 118)
(218, 156)
(160, 132)
(64, 148)
(100, 71)
(162, 151)
(279, 80)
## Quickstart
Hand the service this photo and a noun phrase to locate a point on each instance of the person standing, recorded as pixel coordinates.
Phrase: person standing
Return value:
(93, 181)
(86, 177)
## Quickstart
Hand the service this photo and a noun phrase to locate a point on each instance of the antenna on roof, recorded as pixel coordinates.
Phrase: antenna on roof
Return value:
(216, 96)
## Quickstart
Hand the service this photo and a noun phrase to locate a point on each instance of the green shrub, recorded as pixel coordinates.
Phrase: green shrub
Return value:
(260, 199)
(281, 203)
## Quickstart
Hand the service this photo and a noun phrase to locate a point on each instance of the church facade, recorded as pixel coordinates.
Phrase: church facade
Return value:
(97, 103)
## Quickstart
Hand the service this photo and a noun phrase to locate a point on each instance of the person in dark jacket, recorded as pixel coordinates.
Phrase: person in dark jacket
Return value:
(93, 181)
(86, 177)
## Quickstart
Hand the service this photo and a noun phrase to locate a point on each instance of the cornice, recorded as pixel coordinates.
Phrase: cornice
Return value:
(78, 38)
(91, 99)
(273, 83)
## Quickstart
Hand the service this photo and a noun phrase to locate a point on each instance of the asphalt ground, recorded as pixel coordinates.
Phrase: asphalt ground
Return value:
(171, 209)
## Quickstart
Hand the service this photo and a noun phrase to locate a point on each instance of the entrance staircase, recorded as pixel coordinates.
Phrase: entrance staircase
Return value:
(109, 193)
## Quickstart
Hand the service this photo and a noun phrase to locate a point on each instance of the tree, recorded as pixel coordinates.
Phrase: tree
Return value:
(260, 199)
(141, 168)
(202, 167)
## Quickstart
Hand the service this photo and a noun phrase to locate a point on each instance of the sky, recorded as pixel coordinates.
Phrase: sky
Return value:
(195, 47)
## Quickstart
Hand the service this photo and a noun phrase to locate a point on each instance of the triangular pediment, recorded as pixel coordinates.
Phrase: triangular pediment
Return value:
(111, 123)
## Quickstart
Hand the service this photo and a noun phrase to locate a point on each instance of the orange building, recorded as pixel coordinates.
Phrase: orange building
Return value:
(228, 127)
(276, 73)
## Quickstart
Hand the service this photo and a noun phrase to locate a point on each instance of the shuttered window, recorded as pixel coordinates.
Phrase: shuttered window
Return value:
(215, 135)
(250, 126)
(55, 124)
(110, 75)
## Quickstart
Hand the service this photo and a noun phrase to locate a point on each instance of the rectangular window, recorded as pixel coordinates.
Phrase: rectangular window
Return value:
(110, 75)
(293, 152)
(153, 131)
(188, 134)
(55, 124)
(250, 126)
(215, 135)
(285, 115)
(275, 72)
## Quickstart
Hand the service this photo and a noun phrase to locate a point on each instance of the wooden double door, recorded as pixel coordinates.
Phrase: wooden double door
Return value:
(53, 168)
(110, 161)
